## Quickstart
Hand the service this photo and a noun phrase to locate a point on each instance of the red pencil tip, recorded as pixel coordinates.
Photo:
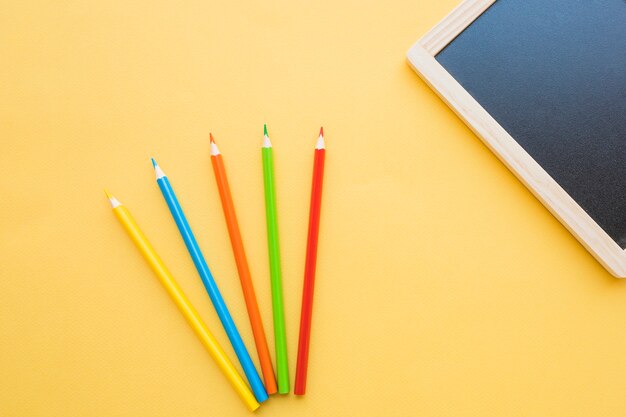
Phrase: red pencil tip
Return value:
(321, 131)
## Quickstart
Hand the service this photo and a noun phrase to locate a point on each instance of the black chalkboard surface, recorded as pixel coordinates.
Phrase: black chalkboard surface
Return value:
(552, 73)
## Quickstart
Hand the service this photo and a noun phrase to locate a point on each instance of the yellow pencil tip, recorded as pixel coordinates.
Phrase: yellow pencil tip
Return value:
(109, 196)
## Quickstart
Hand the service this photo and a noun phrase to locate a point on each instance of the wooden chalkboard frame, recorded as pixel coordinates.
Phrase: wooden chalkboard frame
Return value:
(421, 56)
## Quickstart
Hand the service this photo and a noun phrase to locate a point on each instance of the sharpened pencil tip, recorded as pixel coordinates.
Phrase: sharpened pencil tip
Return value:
(266, 142)
(112, 200)
(214, 149)
(264, 129)
(211, 137)
(320, 140)
(157, 170)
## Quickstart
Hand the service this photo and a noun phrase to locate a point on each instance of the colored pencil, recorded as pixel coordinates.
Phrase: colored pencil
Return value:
(181, 301)
(210, 284)
(309, 269)
(242, 267)
(278, 308)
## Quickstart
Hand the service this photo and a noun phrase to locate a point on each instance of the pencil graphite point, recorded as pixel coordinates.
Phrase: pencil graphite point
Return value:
(211, 137)
(107, 194)
(154, 164)
(322, 131)
(264, 129)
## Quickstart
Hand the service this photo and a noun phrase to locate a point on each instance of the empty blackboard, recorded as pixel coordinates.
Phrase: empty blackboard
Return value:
(552, 75)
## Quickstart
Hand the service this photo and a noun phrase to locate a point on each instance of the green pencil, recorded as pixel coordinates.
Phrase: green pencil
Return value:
(280, 338)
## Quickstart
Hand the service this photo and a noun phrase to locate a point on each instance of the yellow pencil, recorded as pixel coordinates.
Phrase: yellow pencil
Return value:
(194, 320)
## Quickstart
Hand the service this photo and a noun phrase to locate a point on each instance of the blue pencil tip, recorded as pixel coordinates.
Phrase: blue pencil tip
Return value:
(154, 164)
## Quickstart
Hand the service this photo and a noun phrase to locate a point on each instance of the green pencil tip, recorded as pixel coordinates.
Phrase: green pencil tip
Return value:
(265, 129)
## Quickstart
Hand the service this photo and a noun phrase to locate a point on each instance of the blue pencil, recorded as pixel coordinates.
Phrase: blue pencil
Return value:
(209, 283)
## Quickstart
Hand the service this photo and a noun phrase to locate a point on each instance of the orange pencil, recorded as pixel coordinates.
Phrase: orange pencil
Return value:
(243, 269)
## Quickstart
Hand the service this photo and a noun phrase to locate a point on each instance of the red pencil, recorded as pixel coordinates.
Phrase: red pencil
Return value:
(309, 269)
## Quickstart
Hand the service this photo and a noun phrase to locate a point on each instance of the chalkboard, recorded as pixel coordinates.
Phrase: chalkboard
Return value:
(552, 75)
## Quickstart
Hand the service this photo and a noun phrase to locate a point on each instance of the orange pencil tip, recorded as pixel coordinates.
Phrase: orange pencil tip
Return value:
(211, 136)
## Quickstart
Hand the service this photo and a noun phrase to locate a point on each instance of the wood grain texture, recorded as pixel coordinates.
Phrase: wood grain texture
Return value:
(422, 58)
(453, 24)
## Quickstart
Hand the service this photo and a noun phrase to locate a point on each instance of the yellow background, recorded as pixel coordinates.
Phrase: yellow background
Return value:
(444, 288)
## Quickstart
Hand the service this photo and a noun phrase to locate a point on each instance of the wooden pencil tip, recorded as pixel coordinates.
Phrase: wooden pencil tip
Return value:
(214, 149)
(112, 200)
(266, 142)
(320, 140)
